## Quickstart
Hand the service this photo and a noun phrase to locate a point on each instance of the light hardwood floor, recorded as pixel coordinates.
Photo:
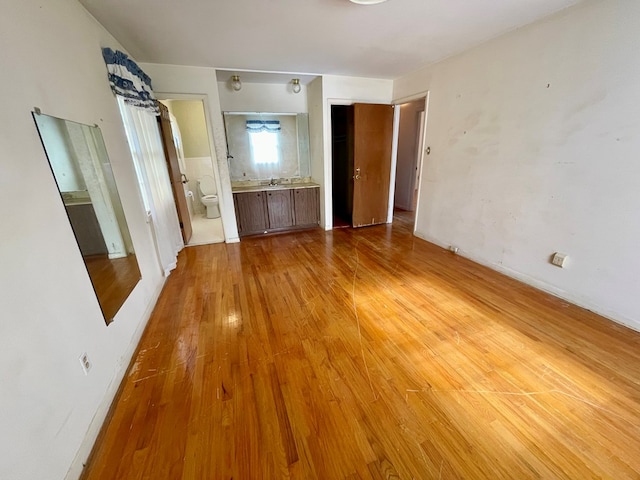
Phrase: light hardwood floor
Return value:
(369, 354)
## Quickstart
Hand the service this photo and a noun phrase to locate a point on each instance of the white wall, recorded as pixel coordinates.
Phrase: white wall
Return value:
(344, 90)
(172, 81)
(534, 149)
(262, 97)
(50, 412)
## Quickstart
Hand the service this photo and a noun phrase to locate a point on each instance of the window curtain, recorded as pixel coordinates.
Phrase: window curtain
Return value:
(129, 82)
(148, 154)
(139, 108)
(263, 126)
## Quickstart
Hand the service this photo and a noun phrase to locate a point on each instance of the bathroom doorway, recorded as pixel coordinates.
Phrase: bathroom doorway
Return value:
(191, 138)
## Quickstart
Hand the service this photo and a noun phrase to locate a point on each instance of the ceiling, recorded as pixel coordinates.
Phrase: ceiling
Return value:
(337, 37)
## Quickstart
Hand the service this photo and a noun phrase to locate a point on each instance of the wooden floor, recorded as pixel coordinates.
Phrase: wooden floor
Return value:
(369, 354)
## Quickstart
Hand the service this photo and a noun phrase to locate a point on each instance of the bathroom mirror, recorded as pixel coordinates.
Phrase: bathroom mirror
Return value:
(80, 165)
(262, 146)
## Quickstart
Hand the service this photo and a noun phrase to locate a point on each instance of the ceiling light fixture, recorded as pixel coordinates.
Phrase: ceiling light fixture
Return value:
(236, 84)
(295, 85)
(367, 2)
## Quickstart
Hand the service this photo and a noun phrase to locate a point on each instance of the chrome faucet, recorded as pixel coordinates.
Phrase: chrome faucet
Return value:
(273, 182)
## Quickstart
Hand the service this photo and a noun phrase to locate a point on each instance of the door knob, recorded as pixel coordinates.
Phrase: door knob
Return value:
(184, 178)
(357, 175)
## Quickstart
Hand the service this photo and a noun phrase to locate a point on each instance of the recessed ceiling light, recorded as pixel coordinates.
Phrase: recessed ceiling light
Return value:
(367, 2)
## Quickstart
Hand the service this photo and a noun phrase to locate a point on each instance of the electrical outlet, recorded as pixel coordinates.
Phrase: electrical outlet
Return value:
(559, 259)
(85, 363)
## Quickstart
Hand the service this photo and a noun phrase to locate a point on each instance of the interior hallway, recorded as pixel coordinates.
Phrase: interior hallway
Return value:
(369, 353)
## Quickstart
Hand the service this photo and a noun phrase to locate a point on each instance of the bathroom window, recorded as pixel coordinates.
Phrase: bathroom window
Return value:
(264, 147)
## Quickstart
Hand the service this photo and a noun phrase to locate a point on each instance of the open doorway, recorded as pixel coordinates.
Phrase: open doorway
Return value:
(190, 136)
(409, 158)
(342, 164)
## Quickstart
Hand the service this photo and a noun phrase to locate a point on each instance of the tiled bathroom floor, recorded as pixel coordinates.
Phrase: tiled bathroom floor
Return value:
(206, 230)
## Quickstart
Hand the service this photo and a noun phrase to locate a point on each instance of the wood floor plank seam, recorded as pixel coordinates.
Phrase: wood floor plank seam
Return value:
(369, 353)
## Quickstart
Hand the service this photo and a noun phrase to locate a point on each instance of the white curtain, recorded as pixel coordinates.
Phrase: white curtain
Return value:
(153, 176)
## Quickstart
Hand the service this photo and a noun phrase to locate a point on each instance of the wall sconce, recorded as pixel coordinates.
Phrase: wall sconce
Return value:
(236, 84)
(295, 85)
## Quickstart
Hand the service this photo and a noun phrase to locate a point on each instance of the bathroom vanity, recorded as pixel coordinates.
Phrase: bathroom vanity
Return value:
(265, 209)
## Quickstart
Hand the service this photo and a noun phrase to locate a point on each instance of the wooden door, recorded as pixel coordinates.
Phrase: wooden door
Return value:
(373, 134)
(171, 155)
(280, 209)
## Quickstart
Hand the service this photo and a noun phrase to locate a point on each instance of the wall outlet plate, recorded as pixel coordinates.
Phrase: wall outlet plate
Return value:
(85, 363)
(559, 259)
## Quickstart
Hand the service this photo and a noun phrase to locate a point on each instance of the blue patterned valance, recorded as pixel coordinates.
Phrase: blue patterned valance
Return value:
(129, 81)
(263, 125)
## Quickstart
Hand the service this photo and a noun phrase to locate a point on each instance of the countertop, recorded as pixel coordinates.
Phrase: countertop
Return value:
(284, 186)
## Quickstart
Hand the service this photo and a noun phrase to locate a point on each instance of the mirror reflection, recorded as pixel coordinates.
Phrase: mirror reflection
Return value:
(80, 165)
(267, 145)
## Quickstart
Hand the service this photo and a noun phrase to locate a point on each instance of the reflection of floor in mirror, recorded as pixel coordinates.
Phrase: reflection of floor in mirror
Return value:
(113, 279)
(206, 230)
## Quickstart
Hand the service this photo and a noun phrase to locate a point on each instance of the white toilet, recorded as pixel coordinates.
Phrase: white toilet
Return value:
(209, 199)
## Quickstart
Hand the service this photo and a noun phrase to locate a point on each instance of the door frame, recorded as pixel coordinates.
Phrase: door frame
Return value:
(328, 163)
(207, 118)
(426, 95)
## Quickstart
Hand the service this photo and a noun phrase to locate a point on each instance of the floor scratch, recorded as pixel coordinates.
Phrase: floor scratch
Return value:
(532, 394)
(355, 311)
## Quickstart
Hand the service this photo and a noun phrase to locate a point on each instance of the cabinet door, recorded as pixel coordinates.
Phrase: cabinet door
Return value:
(251, 212)
(306, 204)
(280, 209)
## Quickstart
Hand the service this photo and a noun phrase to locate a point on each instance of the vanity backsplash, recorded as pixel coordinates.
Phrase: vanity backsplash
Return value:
(278, 181)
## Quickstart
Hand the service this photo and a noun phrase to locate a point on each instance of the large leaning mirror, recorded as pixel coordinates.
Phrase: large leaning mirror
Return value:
(80, 165)
(267, 145)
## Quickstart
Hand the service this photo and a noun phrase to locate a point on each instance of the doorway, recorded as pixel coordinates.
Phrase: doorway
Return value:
(362, 138)
(196, 169)
(409, 158)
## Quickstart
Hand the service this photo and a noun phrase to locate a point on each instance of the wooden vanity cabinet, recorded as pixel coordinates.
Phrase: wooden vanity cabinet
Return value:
(276, 210)
(306, 206)
(251, 212)
(279, 209)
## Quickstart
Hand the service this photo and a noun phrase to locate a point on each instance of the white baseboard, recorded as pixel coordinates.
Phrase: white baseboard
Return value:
(77, 466)
(541, 285)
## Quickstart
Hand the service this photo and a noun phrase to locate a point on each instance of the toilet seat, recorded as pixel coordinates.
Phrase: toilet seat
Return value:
(207, 185)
